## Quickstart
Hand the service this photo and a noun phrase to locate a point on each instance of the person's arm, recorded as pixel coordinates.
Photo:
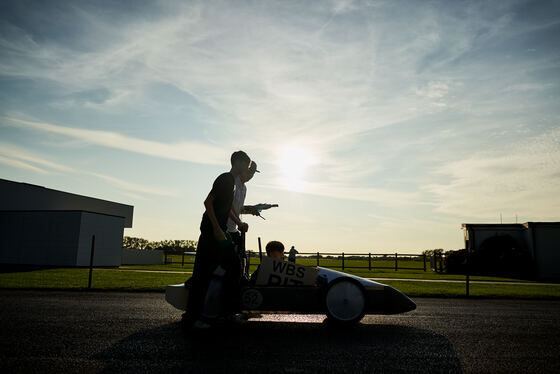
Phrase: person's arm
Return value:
(209, 205)
(240, 224)
(249, 209)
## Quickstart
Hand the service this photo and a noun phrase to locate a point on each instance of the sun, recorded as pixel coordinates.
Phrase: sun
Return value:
(294, 163)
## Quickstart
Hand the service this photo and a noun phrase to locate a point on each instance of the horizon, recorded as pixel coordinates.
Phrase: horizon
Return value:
(372, 127)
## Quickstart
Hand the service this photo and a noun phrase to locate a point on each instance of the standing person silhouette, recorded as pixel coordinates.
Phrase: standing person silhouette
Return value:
(234, 225)
(292, 254)
(214, 248)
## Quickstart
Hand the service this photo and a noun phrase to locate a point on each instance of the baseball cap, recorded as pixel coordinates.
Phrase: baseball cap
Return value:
(253, 167)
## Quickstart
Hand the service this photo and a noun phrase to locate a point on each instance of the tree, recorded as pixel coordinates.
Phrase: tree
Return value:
(136, 243)
(166, 245)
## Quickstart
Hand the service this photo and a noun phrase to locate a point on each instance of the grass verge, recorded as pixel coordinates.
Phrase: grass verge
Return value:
(492, 291)
(102, 279)
(417, 273)
(121, 280)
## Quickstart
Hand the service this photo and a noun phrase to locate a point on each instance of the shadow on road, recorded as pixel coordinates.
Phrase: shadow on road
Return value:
(283, 347)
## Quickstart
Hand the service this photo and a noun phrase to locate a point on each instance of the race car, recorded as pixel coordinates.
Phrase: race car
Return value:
(288, 287)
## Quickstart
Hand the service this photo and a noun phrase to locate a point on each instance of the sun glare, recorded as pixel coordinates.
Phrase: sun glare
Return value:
(294, 163)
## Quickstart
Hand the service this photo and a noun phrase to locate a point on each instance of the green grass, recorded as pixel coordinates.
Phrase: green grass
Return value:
(126, 280)
(513, 291)
(103, 279)
(380, 269)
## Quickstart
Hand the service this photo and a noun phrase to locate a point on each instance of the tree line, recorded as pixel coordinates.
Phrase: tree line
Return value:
(166, 245)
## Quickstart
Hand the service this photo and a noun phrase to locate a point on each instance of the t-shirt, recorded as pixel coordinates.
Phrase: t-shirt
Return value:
(222, 190)
(238, 201)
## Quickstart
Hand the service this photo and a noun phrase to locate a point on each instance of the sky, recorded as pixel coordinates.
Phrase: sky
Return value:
(378, 126)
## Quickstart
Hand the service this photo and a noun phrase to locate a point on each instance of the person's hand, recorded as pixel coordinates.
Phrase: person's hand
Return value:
(219, 235)
(243, 227)
(252, 210)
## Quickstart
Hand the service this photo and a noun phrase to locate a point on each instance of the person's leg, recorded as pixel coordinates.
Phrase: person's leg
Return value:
(237, 239)
(231, 262)
(202, 271)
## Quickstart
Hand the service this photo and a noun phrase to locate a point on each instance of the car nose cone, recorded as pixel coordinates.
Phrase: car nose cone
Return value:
(397, 302)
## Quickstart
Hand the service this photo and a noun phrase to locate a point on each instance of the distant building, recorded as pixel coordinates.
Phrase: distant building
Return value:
(41, 226)
(540, 239)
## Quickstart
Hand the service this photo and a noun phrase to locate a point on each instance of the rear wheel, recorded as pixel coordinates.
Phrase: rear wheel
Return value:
(345, 301)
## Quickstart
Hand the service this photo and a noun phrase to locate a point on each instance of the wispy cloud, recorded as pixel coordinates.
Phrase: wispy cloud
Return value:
(397, 108)
(14, 152)
(134, 187)
(382, 197)
(21, 165)
(521, 178)
(21, 158)
(184, 151)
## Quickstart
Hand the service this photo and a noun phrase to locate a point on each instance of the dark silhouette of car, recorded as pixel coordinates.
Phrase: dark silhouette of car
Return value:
(344, 298)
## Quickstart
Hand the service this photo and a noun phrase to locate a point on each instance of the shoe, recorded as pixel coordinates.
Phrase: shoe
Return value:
(238, 319)
(201, 325)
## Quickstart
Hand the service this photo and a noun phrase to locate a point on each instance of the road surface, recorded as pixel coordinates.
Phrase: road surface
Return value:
(48, 331)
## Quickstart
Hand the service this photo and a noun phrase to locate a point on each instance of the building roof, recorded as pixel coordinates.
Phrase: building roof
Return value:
(16, 196)
(504, 225)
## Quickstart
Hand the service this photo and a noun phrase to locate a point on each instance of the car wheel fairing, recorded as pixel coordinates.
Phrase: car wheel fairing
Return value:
(345, 301)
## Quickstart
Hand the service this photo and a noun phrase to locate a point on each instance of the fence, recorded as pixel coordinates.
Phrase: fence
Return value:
(374, 260)
(341, 260)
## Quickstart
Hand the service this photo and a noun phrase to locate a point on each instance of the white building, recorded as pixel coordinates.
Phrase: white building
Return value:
(541, 239)
(41, 226)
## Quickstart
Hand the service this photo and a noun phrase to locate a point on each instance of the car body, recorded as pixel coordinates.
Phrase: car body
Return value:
(344, 298)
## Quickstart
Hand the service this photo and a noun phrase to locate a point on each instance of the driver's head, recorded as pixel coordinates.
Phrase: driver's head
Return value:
(275, 249)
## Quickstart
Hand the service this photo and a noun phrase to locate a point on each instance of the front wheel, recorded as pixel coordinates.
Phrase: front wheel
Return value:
(345, 302)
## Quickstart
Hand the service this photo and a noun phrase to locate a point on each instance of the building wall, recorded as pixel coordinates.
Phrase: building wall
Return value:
(131, 256)
(517, 232)
(547, 242)
(59, 238)
(15, 196)
(39, 238)
(108, 231)
(542, 239)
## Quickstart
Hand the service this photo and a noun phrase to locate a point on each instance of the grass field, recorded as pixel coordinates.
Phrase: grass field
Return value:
(103, 279)
(127, 279)
(380, 269)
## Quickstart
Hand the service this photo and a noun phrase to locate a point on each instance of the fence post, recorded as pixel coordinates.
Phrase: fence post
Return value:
(468, 271)
(183, 259)
(317, 258)
(424, 262)
(342, 260)
(369, 260)
(396, 261)
(248, 260)
(260, 250)
(91, 261)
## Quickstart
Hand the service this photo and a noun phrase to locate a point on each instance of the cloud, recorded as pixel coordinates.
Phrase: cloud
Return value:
(21, 158)
(383, 197)
(522, 178)
(14, 152)
(183, 151)
(433, 90)
(134, 187)
(21, 165)
(376, 94)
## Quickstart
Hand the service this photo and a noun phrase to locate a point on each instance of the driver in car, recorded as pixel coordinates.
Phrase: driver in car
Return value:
(274, 249)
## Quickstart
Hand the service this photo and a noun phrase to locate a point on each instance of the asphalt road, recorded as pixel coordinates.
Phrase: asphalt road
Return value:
(138, 332)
